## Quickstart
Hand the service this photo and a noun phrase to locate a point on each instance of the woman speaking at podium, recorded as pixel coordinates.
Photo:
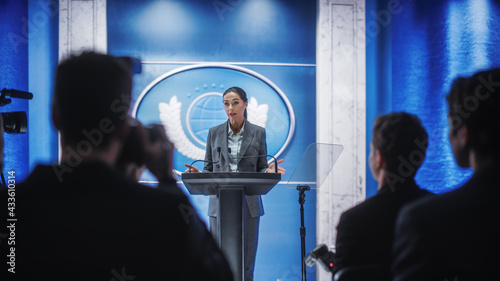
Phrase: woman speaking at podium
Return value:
(238, 146)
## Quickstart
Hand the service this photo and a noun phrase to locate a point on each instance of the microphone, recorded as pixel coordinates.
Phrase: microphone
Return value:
(253, 156)
(213, 162)
(17, 94)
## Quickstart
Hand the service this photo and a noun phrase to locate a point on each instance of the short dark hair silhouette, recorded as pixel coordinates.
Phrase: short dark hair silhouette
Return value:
(474, 102)
(91, 97)
(400, 136)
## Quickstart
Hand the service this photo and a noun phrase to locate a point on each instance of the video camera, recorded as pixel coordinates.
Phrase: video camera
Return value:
(14, 122)
(321, 255)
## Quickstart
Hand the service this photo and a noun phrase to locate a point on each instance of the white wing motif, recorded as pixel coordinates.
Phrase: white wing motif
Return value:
(170, 116)
(257, 114)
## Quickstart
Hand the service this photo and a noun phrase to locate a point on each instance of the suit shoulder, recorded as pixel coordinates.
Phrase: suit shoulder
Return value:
(433, 210)
(435, 202)
(384, 204)
(257, 127)
(373, 202)
(254, 127)
(260, 129)
(364, 208)
(422, 193)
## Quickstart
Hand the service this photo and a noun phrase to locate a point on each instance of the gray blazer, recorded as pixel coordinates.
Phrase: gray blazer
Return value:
(252, 144)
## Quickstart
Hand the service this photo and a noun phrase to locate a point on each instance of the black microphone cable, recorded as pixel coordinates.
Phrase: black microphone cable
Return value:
(206, 161)
(253, 156)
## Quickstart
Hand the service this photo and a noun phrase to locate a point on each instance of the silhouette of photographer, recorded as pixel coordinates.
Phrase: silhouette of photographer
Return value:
(83, 219)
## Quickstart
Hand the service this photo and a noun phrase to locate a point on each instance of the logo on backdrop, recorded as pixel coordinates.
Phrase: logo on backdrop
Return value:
(188, 102)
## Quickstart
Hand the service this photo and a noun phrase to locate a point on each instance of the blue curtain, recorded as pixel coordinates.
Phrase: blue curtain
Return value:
(430, 43)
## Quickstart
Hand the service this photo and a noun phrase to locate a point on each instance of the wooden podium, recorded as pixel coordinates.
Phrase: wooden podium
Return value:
(230, 189)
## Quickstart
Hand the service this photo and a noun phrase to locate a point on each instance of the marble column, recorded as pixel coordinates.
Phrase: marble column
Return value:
(340, 111)
(82, 26)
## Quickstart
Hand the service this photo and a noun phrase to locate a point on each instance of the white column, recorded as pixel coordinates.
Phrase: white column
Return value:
(340, 111)
(82, 26)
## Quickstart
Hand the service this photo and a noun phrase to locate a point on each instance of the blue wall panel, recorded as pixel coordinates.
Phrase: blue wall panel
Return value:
(431, 44)
(378, 75)
(275, 39)
(250, 31)
(43, 58)
(14, 75)
(28, 58)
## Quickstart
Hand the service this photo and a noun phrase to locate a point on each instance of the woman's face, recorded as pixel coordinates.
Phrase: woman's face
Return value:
(235, 107)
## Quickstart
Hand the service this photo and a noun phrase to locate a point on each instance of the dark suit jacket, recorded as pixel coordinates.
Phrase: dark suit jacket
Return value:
(252, 144)
(97, 225)
(454, 236)
(365, 232)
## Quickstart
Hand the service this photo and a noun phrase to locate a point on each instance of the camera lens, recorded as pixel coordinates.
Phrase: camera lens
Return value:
(15, 122)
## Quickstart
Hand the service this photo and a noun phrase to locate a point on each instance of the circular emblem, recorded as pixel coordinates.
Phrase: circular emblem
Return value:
(205, 112)
(188, 102)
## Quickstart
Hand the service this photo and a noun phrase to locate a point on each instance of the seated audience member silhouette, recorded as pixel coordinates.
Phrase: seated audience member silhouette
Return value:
(83, 219)
(456, 236)
(365, 232)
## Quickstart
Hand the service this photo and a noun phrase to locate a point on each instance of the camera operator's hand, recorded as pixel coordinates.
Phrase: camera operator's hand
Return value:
(159, 153)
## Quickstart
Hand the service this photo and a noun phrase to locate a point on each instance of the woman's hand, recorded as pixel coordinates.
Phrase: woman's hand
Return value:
(271, 168)
(193, 169)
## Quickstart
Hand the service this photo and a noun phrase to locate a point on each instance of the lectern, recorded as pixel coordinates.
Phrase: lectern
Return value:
(230, 189)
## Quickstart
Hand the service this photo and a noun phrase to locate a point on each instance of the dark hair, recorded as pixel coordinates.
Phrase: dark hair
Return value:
(474, 102)
(91, 97)
(241, 93)
(400, 137)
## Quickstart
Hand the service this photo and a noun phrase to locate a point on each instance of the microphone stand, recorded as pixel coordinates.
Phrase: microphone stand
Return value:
(205, 161)
(310, 176)
(302, 195)
(254, 156)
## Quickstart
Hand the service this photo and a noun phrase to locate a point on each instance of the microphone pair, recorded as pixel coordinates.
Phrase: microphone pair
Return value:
(253, 156)
(237, 158)
(205, 161)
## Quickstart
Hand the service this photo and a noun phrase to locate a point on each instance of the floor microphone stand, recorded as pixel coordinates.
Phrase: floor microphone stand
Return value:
(302, 200)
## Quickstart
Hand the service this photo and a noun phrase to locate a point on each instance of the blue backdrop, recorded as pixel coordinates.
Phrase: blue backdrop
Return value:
(14, 75)
(43, 58)
(28, 57)
(276, 39)
(413, 55)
